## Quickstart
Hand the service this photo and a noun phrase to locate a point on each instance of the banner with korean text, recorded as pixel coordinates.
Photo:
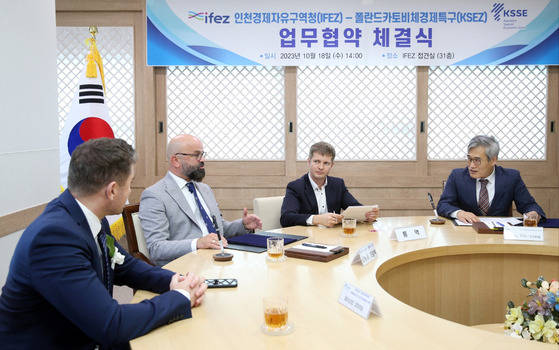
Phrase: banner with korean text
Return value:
(352, 32)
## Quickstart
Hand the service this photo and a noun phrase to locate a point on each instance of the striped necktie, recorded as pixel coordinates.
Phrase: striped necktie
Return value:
(205, 216)
(102, 239)
(483, 197)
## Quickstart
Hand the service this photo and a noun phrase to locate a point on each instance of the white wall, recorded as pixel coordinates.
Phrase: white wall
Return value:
(29, 161)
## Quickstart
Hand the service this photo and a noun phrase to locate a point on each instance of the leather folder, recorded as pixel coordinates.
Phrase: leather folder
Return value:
(481, 227)
(325, 256)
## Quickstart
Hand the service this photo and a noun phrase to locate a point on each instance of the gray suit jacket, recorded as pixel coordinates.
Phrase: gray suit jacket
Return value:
(169, 224)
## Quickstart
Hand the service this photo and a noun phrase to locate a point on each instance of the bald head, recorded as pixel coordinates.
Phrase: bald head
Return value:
(185, 154)
(183, 144)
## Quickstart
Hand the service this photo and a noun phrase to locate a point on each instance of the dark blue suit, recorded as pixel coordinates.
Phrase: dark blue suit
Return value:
(54, 296)
(300, 201)
(460, 194)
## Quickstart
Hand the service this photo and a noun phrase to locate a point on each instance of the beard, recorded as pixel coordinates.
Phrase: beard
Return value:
(194, 172)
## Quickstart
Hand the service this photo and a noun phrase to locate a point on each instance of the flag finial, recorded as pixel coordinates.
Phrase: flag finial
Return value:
(93, 58)
(93, 31)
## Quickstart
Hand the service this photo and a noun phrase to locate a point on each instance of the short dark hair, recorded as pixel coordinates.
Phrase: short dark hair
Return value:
(97, 162)
(323, 148)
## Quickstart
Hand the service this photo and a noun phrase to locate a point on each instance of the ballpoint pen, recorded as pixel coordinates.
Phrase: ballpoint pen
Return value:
(218, 234)
(314, 245)
(436, 220)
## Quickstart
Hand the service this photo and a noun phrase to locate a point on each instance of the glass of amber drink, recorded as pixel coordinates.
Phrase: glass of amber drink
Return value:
(275, 249)
(349, 226)
(276, 320)
(530, 219)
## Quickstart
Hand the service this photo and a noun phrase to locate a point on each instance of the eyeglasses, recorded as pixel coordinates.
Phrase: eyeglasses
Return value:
(476, 161)
(197, 156)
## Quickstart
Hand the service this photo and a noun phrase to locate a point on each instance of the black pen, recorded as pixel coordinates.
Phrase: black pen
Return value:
(314, 245)
(433, 205)
(217, 231)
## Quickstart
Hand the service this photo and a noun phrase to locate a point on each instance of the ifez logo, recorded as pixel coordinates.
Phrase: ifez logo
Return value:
(209, 17)
(499, 10)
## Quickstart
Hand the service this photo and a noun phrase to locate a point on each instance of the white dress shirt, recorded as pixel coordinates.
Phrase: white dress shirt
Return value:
(320, 194)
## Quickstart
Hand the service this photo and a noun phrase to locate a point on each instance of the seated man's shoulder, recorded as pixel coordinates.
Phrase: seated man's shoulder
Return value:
(507, 171)
(459, 170)
(297, 182)
(156, 186)
(335, 179)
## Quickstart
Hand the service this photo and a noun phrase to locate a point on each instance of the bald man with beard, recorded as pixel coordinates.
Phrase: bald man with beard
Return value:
(172, 219)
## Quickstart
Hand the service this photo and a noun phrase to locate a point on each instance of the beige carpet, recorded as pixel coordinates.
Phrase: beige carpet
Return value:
(122, 294)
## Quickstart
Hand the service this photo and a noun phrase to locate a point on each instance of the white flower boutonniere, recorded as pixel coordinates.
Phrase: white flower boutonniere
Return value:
(116, 257)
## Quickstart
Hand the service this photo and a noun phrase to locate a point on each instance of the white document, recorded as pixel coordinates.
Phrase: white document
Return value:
(315, 247)
(358, 212)
(492, 222)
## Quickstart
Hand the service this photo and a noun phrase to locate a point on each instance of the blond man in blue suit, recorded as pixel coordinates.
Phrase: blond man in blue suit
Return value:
(58, 294)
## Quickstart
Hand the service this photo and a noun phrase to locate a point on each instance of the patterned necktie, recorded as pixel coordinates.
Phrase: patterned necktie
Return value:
(102, 239)
(205, 216)
(483, 197)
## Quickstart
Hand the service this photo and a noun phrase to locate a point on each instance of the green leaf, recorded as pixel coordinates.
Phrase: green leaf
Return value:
(111, 245)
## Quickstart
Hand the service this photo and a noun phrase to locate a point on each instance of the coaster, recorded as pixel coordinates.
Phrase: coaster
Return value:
(437, 221)
(289, 327)
(281, 259)
(223, 256)
(349, 236)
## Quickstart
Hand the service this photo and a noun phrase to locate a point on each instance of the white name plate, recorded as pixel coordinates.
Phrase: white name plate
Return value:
(523, 233)
(411, 233)
(358, 301)
(365, 254)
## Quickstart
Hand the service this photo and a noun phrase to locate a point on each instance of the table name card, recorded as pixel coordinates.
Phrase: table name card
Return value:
(411, 233)
(365, 254)
(523, 233)
(358, 301)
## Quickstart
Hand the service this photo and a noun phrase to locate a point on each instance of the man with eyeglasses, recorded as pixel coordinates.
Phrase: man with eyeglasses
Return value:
(177, 213)
(484, 188)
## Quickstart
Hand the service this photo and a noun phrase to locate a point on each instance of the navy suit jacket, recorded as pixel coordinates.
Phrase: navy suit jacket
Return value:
(460, 194)
(300, 201)
(55, 298)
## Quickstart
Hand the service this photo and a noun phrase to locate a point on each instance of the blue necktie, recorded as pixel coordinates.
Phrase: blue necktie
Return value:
(102, 239)
(205, 216)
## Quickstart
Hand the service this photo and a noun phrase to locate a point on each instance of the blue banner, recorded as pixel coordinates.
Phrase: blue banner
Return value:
(352, 32)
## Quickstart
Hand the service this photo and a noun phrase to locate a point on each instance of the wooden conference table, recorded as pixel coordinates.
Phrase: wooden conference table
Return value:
(429, 292)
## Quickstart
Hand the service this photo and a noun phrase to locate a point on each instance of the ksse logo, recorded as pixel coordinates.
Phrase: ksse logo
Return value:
(499, 9)
(209, 17)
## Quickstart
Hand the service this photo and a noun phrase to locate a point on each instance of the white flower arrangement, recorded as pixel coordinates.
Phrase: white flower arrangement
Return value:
(538, 317)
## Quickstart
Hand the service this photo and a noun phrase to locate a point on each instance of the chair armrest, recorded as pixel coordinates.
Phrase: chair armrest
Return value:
(141, 256)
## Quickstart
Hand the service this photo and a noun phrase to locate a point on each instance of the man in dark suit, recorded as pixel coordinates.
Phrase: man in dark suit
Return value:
(58, 294)
(176, 212)
(484, 188)
(316, 198)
